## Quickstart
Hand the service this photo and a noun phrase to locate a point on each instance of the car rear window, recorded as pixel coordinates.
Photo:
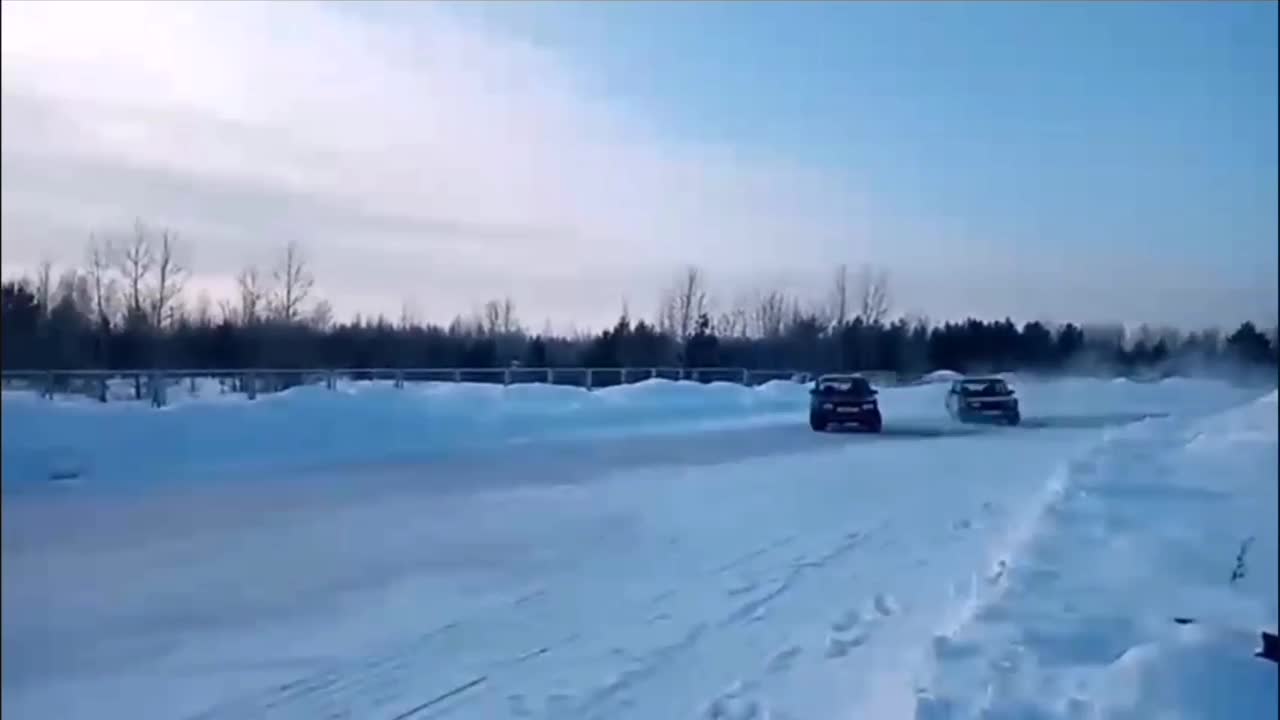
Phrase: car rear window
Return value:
(845, 385)
(984, 387)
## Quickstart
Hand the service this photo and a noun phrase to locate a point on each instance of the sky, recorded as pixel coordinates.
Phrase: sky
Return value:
(1086, 162)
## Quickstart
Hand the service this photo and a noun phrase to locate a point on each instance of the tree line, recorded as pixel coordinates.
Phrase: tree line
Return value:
(127, 308)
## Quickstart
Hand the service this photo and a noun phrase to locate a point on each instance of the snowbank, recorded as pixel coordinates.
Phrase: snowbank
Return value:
(75, 438)
(941, 376)
(1165, 519)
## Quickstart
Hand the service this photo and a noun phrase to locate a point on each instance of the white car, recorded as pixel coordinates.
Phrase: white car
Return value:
(983, 399)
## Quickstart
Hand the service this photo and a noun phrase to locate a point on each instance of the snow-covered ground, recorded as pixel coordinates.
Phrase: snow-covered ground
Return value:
(662, 550)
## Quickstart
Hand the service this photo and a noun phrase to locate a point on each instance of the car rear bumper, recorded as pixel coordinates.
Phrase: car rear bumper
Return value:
(846, 414)
(990, 412)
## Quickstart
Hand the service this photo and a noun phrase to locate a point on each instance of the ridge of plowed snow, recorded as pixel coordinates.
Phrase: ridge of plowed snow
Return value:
(1168, 518)
(79, 440)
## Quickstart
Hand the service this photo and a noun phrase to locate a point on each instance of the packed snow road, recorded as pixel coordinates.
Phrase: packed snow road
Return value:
(730, 564)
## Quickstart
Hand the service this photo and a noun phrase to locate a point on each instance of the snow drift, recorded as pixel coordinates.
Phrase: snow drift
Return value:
(75, 439)
(1164, 520)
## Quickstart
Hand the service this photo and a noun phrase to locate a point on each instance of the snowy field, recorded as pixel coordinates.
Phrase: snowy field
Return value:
(661, 550)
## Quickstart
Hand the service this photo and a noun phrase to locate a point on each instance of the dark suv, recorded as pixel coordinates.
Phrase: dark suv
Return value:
(983, 398)
(843, 400)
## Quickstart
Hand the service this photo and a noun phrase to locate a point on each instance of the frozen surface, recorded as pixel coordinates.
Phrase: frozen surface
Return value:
(661, 551)
(213, 433)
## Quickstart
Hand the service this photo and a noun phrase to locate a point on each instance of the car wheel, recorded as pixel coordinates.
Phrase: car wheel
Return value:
(817, 423)
(874, 426)
(1014, 418)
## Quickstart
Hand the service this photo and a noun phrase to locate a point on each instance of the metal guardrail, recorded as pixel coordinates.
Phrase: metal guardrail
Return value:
(154, 385)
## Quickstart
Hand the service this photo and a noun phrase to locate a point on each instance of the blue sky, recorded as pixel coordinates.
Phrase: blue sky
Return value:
(1085, 161)
(1140, 128)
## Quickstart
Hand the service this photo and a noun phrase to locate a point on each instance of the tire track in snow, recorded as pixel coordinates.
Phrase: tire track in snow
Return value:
(753, 609)
(610, 700)
(375, 683)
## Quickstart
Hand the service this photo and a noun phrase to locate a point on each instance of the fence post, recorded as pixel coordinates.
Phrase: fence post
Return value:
(551, 379)
(329, 382)
(253, 386)
(681, 376)
(697, 376)
(457, 376)
(746, 377)
(102, 389)
(158, 383)
(622, 380)
(48, 385)
(589, 378)
(399, 379)
(653, 373)
(191, 385)
(506, 376)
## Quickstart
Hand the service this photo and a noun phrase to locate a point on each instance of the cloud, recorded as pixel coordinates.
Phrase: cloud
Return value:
(418, 157)
(415, 156)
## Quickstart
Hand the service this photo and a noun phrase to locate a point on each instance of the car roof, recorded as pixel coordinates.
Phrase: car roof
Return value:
(837, 376)
(981, 379)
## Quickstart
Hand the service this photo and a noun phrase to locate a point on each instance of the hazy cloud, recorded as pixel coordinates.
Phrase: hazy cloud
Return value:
(425, 160)
(414, 156)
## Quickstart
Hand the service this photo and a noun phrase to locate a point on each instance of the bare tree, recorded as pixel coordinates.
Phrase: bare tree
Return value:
(507, 321)
(732, 322)
(873, 295)
(44, 286)
(498, 317)
(203, 313)
(177, 311)
(821, 312)
(491, 317)
(683, 303)
(227, 311)
(73, 286)
(409, 315)
(473, 323)
(100, 257)
(252, 295)
(170, 279)
(840, 297)
(135, 262)
(769, 314)
(321, 315)
(293, 283)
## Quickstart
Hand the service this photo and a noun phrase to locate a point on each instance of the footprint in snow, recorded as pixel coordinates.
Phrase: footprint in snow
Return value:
(838, 647)
(847, 633)
(518, 706)
(885, 605)
(559, 704)
(848, 621)
(734, 704)
(997, 573)
(783, 659)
